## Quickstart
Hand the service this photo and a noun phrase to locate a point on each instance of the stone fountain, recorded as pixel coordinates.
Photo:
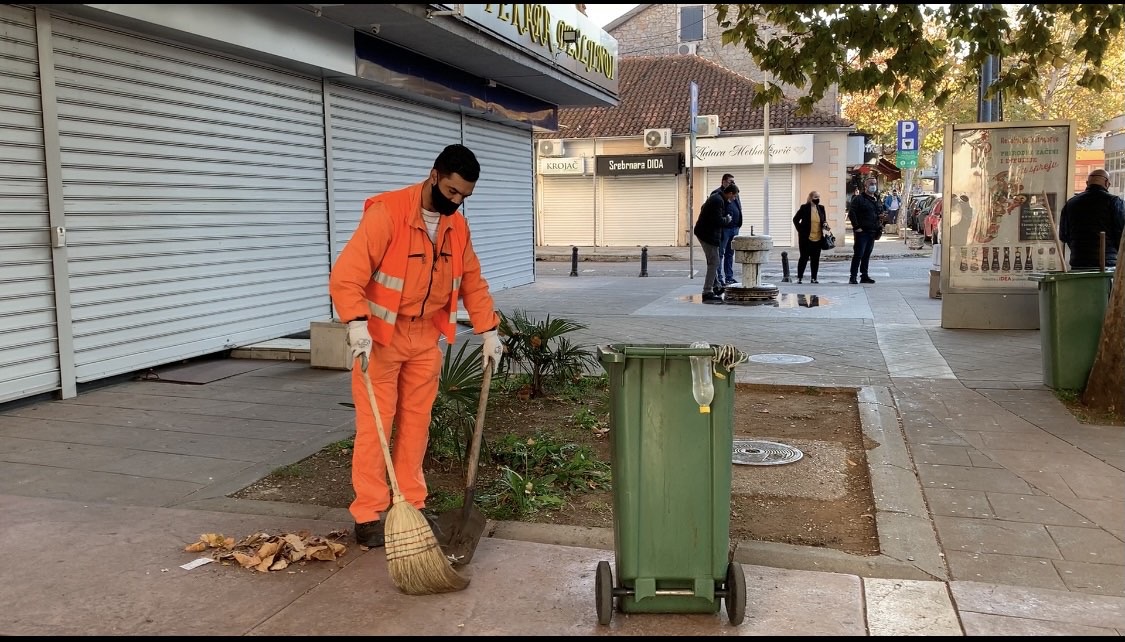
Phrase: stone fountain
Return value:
(753, 252)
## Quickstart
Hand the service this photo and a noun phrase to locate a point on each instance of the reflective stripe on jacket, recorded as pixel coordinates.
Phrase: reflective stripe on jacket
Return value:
(391, 268)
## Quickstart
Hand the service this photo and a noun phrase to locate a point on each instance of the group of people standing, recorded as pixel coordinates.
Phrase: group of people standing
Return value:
(720, 218)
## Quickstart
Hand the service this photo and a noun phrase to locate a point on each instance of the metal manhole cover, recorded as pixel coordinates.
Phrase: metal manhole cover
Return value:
(780, 358)
(764, 453)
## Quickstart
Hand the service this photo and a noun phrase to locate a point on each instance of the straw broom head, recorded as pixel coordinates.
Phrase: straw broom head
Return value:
(414, 558)
(416, 562)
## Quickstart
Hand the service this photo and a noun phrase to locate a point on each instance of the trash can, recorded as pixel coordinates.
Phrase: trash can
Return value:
(1071, 309)
(671, 462)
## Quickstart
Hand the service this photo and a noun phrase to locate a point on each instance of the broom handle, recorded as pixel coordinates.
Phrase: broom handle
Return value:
(379, 427)
(478, 430)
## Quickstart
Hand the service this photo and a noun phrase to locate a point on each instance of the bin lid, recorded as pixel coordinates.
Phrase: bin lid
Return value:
(1051, 277)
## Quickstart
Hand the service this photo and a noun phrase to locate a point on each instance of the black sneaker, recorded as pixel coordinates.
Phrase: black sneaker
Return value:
(852, 281)
(370, 534)
(813, 281)
(866, 279)
(799, 279)
(711, 297)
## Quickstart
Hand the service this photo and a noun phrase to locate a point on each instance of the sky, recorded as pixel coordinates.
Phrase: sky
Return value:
(603, 14)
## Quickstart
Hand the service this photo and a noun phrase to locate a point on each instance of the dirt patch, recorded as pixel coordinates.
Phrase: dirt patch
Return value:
(824, 499)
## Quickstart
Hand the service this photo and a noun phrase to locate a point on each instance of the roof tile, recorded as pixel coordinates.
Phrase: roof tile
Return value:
(653, 93)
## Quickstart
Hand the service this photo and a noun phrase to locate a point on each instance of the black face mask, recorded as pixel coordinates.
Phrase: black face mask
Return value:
(816, 201)
(442, 205)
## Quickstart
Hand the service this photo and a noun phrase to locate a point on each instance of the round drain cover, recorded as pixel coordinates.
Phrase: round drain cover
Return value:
(764, 453)
(780, 358)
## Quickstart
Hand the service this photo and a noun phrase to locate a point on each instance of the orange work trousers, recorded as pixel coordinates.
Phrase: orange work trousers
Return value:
(404, 375)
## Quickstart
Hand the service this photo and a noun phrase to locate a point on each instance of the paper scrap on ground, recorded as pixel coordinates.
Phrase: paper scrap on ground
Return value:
(196, 563)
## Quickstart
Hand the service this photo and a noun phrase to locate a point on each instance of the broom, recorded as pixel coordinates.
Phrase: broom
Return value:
(414, 558)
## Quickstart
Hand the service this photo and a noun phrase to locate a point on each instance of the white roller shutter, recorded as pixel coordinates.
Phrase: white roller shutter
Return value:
(380, 144)
(501, 209)
(195, 196)
(29, 362)
(638, 210)
(750, 189)
(566, 210)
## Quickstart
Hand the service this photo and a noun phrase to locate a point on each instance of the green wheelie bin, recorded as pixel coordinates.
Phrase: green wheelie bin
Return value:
(1071, 310)
(671, 460)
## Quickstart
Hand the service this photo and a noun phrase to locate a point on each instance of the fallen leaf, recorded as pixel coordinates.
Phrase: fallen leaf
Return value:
(323, 554)
(197, 547)
(268, 549)
(246, 561)
(264, 565)
(337, 548)
(214, 540)
(279, 565)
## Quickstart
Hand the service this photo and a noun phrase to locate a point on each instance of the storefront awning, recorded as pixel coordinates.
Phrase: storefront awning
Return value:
(888, 169)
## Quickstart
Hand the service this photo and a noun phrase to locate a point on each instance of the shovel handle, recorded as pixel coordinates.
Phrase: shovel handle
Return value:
(478, 430)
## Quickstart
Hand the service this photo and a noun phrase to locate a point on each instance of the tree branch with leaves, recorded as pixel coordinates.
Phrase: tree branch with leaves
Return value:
(883, 48)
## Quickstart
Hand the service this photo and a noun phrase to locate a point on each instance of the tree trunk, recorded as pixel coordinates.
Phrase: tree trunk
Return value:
(1105, 389)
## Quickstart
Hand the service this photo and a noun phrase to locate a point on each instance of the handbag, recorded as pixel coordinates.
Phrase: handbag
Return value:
(827, 239)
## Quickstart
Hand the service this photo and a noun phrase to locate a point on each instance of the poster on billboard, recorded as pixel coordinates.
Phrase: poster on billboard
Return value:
(1005, 186)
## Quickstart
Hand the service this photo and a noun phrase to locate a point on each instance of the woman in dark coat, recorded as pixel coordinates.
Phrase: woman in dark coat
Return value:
(811, 222)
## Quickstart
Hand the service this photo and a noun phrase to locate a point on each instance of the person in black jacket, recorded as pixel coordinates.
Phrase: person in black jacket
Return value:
(709, 230)
(810, 222)
(730, 230)
(1085, 215)
(866, 214)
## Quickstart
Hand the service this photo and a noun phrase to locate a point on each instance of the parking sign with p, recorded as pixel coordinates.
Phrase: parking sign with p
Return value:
(907, 135)
(907, 149)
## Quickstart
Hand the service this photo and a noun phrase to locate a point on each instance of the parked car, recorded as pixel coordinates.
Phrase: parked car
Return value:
(919, 208)
(931, 224)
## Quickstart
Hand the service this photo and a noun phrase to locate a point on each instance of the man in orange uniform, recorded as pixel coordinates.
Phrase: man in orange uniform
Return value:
(396, 285)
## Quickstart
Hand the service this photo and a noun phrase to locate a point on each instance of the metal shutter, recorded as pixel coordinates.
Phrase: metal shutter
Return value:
(380, 144)
(195, 198)
(750, 189)
(639, 210)
(500, 211)
(29, 362)
(566, 210)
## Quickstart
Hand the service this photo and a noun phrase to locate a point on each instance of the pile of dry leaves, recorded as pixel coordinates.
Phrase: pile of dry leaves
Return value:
(265, 552)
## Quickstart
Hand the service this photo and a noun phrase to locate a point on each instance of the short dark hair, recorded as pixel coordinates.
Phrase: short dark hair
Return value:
(458, 159)
(730, 189)
(726, 176)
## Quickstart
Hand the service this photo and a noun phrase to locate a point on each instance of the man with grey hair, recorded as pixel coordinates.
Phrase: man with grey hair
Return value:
(1087, 214)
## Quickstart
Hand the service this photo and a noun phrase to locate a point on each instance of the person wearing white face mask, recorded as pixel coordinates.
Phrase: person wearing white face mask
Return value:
(865, 213)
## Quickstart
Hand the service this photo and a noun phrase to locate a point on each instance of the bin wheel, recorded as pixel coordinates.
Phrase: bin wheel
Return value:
(603, 592)
(736, 593)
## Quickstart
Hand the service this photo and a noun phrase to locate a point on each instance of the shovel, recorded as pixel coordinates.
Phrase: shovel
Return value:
(461, 528)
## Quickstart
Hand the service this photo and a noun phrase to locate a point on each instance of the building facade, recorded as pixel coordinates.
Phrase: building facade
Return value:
(668, 29)
(177, 180)
(627, 175)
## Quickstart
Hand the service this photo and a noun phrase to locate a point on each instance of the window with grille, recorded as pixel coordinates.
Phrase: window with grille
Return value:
(691, 23)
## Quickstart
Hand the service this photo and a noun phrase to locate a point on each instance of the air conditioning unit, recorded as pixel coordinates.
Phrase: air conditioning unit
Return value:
(688, 48)
(658, 138)
(707, 125)
(550, 148)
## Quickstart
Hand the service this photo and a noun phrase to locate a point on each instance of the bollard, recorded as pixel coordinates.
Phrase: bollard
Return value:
(785, 267)
(644, 261)
(574, 260)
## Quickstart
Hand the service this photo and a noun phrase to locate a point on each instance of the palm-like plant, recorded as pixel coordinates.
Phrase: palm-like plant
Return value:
(454, 411)
(540, 349)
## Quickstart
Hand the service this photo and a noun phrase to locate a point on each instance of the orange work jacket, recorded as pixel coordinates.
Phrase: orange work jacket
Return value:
(390, 269)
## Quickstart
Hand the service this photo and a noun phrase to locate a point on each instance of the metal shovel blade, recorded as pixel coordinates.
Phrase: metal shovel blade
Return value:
(461, 530)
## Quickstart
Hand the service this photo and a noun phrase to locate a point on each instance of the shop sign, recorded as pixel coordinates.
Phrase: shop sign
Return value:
(574, 166)
(557, 33)
(785, 149)
(640, 164)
